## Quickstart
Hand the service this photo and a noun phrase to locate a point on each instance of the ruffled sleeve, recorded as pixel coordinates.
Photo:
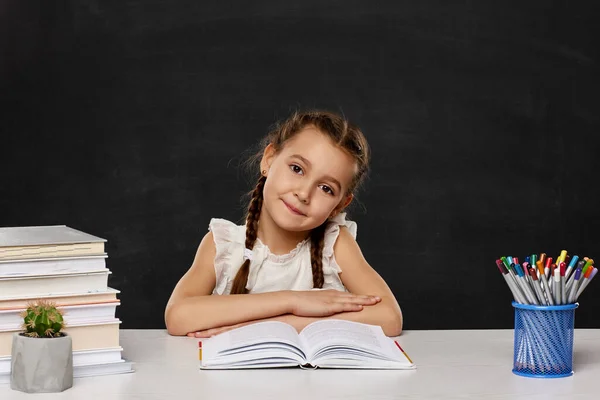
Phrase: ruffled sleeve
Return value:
(331, 269)
(229, 253)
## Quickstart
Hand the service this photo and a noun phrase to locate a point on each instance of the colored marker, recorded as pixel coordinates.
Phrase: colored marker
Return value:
(536, 286)
(570, 282)
(542, 258)
(562, 257)
(556, 287)
(551, 278)
(511, 280)
(545, 282)
(587, 265)
(563, 292)
(513, 272)
(512, 285)
(530, 283)
(547, 266)
(525, 267)
(580, 265)
(524, 285)
(572, 266)
(591, 272)
(574, 285)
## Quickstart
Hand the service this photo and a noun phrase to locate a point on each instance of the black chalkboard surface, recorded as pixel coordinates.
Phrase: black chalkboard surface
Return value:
(128, 120)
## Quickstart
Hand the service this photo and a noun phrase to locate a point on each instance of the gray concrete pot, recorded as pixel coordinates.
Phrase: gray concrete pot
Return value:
(41, 365)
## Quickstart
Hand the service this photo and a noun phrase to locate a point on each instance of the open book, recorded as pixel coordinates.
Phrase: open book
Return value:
(322, 344)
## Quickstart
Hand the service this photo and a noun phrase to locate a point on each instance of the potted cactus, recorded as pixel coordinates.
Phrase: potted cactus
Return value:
(42, 355)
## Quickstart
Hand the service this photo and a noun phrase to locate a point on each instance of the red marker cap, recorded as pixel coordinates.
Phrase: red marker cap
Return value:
(533, 274)
(501, 267)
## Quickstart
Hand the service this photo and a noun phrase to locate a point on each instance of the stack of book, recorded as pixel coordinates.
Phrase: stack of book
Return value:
(67, 267)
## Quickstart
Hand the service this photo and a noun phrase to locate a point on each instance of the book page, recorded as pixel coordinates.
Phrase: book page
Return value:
(346, 337)
(263, 340)
(271, 331)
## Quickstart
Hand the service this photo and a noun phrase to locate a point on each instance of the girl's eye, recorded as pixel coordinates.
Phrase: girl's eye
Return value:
(296, 169)
(327, 189)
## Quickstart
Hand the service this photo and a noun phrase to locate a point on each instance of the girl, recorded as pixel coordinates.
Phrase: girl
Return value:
(296, 239)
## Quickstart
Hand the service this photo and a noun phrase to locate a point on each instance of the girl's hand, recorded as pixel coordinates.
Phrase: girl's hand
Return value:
(323, 303)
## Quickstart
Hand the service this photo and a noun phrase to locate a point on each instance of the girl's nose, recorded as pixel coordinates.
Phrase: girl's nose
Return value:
(302, 196)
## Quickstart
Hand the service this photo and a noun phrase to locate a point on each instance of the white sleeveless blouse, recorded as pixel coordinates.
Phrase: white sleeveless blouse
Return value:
(271, 272)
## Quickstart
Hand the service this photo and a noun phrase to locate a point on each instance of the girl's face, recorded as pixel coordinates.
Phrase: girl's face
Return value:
(307, 181)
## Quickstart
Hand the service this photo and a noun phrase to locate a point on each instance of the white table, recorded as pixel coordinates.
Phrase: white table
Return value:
(450, 364)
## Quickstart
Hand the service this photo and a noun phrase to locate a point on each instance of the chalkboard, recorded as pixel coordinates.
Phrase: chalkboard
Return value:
(128, 120)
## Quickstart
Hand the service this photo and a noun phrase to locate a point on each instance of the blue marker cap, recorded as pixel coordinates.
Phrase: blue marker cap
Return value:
(509, 259)
(573, 261)
(528, 260)
(577, 274)
(518, 269)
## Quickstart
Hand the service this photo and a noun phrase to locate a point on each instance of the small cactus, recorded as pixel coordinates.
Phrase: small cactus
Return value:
(42, 320)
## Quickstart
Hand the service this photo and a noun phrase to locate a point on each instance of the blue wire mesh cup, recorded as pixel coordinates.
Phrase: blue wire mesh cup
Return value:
(543, 345)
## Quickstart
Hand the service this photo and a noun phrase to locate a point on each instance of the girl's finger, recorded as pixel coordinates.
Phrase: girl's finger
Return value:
(346, 307)
(215, 331)
(368, 296)
(352, 295)
(358, 300)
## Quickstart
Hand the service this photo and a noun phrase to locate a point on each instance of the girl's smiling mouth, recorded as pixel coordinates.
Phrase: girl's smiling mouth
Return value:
(293, 209)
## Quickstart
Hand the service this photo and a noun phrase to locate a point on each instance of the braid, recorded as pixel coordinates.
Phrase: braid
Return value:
(241, 278)
(317, 240)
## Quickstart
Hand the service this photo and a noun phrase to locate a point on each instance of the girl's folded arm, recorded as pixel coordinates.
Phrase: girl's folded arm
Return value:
(360, 278)
(191, 306)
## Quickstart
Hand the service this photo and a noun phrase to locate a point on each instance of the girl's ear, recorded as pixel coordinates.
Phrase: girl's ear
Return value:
(343, 204)
(348, 200)
(267, 158)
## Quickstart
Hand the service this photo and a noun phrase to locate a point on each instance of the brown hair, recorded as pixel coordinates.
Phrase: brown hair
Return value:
(342, 133)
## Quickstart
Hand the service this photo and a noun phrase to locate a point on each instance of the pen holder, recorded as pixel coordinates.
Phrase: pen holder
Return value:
(543, 346)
